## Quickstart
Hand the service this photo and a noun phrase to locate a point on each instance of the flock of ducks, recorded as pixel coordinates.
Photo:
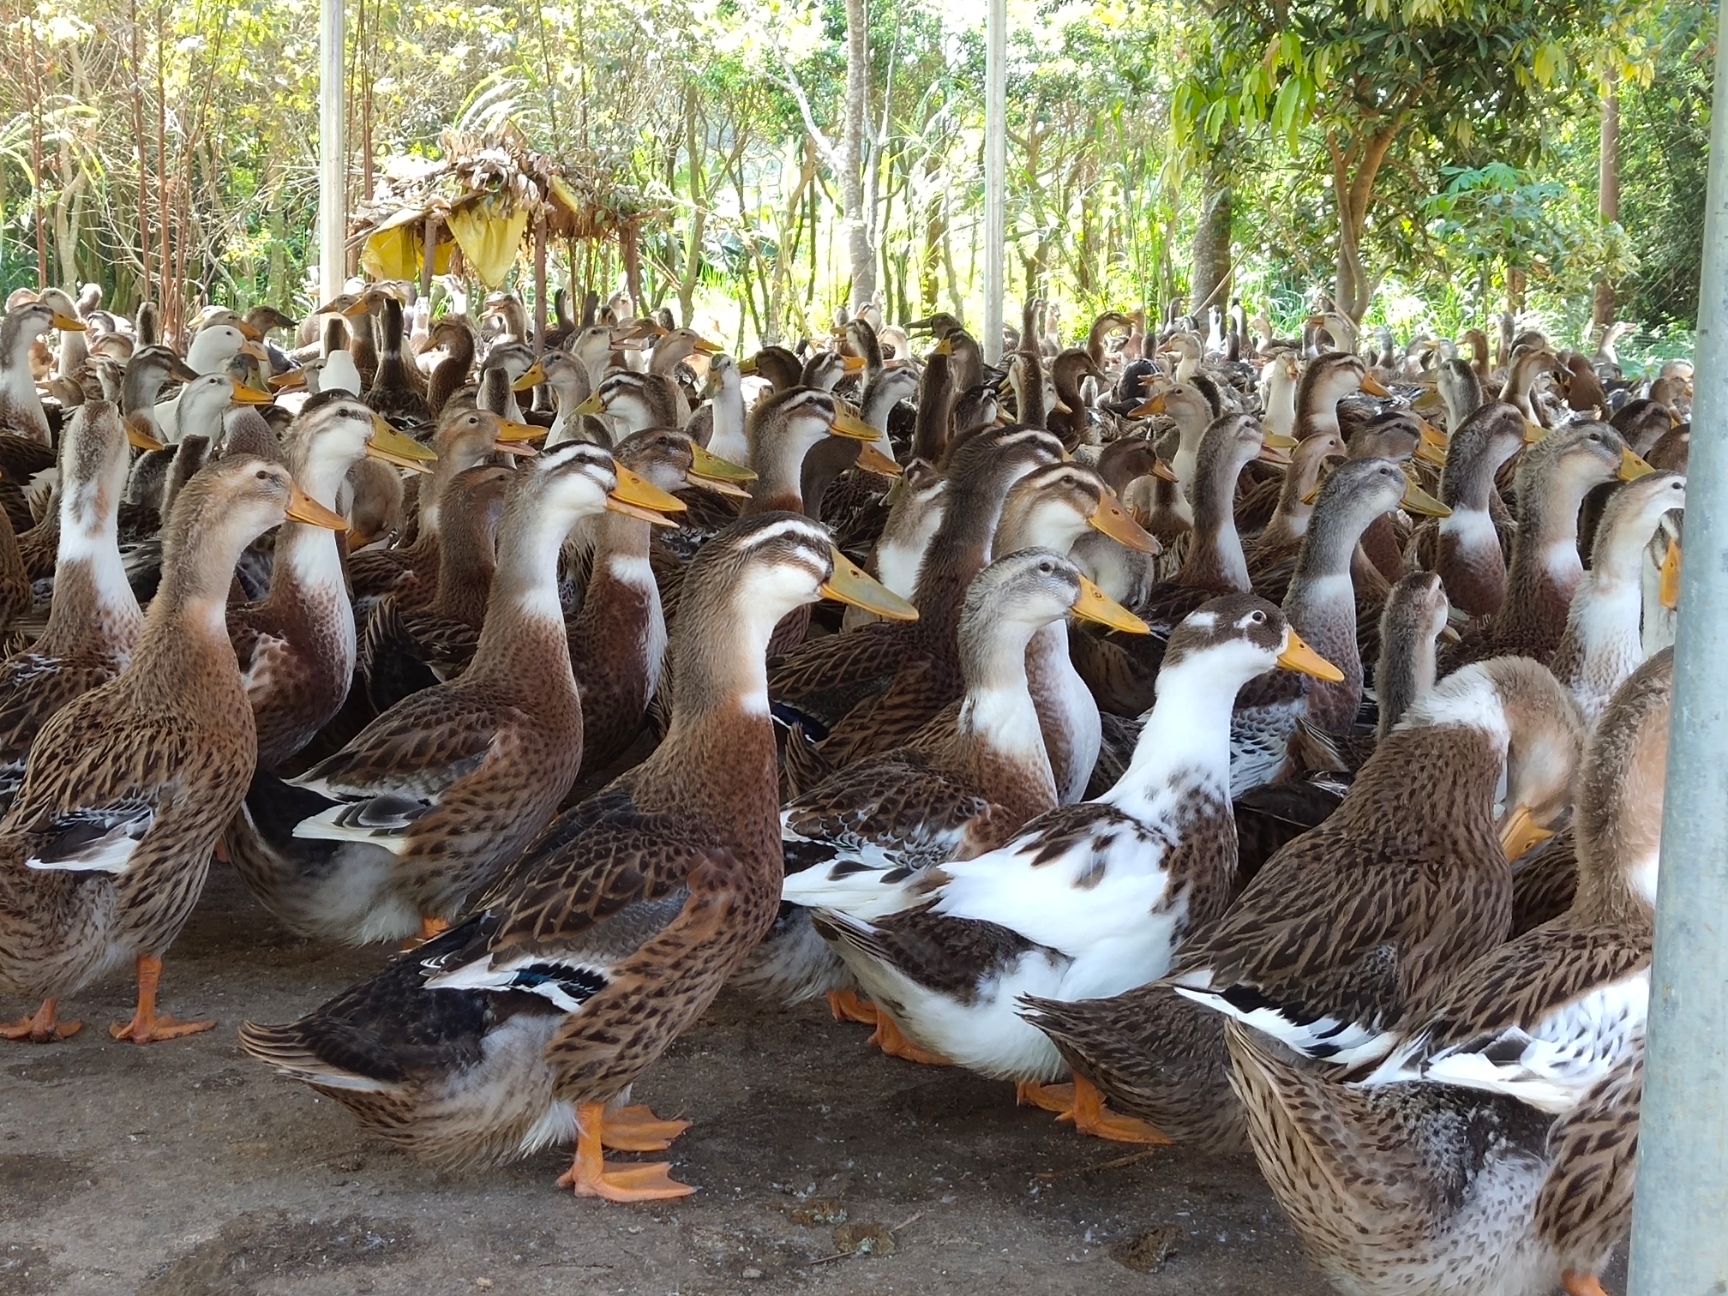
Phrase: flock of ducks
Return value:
(1246, 743)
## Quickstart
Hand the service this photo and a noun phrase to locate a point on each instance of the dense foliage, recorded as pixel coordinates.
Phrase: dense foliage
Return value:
(1441, 155)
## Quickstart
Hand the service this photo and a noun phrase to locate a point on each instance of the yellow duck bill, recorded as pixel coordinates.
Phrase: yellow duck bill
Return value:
(851, 584)
(1417, 500)
(1098, 607)
(1521, 834)
(848, 424)
(392, 447)
(303, 508)
(1111, 519)
(637, 497)
(1299, 657)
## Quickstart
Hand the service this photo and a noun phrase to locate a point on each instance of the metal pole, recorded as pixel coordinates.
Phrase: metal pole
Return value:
(995, 175)
(332, 153)
(1679, 1244)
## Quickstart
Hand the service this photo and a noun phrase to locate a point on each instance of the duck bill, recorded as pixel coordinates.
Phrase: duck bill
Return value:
(637, 497)
(1668, 588)
(852, 364)
(1521, 834)
(1533, 432)
(1432, 447)
(747, 366)
(303, 508)
(390, 446)
(703, 463)
(249, 332)
(848, 424)
(1632, 467)
(246, 395)
(140, 438)
(66, 324)
(1278, 441)
(871, 459)
(529, 381)
(1373, 386)
(254, 350)
(1151, 407)
(1299, 657)
(513, 439)
(355, 311)
(595, 405)
(1271, 454)
(943, 348)
(1111, 519)
(1098, 607)
(1417, 500)
(707, 348)
(294, 378)
(851, 584)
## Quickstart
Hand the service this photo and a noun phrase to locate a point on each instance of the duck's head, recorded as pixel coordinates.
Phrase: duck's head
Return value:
(1184, 403)
(465, 436)
(334, 432)
(1127, 459)
(1631, 517)
(1416, 609)
(1334, 376)
(996, 458)
(232, 501)
(763, 567)
(1033, 587)
(787, 424)
(632, 400)
(205, 397)
(825, 369)
(1053, 506)
(577, 480)
(671, 460)
(1576, 457)
(1360, 490)
(25, 323)
(1236, 638)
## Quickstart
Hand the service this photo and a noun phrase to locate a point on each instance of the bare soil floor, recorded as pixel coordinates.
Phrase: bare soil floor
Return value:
(186, 1169)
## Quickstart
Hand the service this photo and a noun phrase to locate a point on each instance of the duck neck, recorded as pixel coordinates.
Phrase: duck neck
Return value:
(185, 638)
(308, 559)
(778, 462)
(1215, 559)
(623, 597)
(958, 551)
(1281, 406)
(1185, 740)
(19, 405)
(1404, 676)
(1545, 561)
(94, 610)
(729, 440)
(524, 626)
(1321, 607)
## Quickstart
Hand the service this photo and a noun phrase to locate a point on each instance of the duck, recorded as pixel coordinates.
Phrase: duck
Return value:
(1554, 476)
(296, 647)
(631, 402)
(1416, 616)
(1087, 900)
(94, 619)
(1348, 926)
(1281, 538)
(453, 349)
(409, 643)
(874, 687)
(394, 395)
(1494, 1148)
(128, 786)
(613, 934)
(965, 785)
(21, 412)
(1603, 641)
(917, 503)
(463, 438)
(426, 805)
(1468, 548)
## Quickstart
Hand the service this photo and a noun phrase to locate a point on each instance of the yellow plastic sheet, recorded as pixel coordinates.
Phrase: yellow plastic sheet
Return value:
(489, 237)
(395, 254)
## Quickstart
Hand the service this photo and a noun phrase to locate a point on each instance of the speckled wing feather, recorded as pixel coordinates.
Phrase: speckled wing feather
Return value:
(421, 747)
(32, 690)
(826, 677)
(900, 812)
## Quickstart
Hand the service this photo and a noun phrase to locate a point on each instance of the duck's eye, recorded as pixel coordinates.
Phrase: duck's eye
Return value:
(263, 476)
(1258, 618)
(1046, 568)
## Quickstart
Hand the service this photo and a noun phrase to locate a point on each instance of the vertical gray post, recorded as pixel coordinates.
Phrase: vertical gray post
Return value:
(1679, 1241)
(332, 153)
(995, 175)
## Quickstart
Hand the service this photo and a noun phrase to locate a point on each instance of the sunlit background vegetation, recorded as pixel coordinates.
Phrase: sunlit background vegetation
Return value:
(1140, 130)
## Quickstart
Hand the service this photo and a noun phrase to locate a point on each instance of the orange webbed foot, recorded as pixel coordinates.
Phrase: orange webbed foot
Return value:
(590, 1175)
(638, 1129)
(156, 1028)
(892, 1041)
(849, 1005)
(1056, 1098)
(1089, 1115)
(45, 1027)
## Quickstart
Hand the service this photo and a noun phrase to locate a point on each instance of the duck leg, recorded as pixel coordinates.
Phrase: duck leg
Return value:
(638, 1129)
(892, 1040)
(1581, 1284)
(590, 1176)
(43, 1028)
(147, 1025)
(849, 1005)
(1056, 1098)
(1089, 1116)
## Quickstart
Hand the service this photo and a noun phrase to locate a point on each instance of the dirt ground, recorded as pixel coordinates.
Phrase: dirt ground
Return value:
(186, 1169)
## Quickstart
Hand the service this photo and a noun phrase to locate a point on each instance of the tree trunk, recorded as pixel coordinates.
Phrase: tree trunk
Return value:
(1354, 170)
(1602, 303)
(859, 252)
(1212, 264)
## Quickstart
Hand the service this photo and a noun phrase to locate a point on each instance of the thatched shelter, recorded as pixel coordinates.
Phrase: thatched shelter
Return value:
(488, 198)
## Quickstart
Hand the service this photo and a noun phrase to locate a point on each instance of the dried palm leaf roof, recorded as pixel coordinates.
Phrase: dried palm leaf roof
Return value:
(581, 198)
